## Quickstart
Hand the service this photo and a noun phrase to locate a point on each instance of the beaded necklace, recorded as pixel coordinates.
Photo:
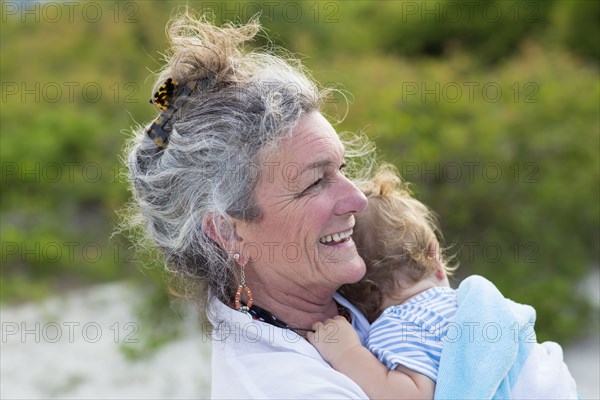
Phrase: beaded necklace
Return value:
(263, 315)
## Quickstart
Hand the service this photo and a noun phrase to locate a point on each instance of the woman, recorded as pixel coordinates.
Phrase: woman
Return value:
(240, 183)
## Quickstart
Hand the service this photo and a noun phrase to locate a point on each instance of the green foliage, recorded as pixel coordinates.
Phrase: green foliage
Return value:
(491, 29)
(511, 171)
(62, 178)
(578, 22)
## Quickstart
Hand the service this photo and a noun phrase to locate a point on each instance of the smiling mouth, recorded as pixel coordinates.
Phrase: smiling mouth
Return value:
(336, 238)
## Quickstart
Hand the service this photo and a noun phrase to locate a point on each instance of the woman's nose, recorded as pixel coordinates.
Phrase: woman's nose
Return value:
(351, 199)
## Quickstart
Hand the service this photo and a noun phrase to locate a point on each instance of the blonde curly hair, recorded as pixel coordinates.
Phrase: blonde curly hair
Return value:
(397, 236)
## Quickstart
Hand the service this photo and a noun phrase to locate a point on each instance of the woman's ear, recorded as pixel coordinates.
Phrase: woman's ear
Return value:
(221, 229)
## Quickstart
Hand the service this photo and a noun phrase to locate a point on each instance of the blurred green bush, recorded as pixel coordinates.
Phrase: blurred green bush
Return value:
(493, 117)
(511, 171)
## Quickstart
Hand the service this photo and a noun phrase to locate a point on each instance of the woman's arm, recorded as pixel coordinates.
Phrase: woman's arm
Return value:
(339, 345)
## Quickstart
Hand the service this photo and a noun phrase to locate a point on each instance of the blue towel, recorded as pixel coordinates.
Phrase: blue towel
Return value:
(487, 344)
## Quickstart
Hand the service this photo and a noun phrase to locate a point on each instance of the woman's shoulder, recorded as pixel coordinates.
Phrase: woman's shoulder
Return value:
(252, 359)
(274, 364)
(280, 373)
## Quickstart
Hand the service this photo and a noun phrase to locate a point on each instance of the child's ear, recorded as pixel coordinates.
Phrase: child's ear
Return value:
(440, 274)
(433, 252)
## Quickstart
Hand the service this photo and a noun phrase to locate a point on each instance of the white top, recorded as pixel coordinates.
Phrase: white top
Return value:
(253, 359)
(413, 333)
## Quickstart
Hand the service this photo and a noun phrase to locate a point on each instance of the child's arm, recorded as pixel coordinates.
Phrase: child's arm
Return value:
(340, 346)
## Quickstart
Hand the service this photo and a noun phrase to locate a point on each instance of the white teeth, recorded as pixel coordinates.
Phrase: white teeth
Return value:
(336, 237)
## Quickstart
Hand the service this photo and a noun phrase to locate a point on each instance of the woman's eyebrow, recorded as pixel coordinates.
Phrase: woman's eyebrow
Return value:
(318, 164)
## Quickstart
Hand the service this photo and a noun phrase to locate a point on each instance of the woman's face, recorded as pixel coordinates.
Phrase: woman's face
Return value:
(308, 208)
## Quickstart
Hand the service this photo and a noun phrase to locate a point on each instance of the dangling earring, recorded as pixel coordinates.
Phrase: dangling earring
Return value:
(242, 288)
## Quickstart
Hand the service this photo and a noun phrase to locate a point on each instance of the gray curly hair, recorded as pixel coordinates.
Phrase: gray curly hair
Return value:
(219, 135)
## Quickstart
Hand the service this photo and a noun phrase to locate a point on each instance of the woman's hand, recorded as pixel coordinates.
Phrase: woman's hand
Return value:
(333, 338)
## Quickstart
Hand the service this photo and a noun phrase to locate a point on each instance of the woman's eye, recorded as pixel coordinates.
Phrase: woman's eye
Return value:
(312, 186)
(327, 178)
(316, 183)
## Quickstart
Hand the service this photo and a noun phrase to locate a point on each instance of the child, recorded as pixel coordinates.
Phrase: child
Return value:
(406, 296)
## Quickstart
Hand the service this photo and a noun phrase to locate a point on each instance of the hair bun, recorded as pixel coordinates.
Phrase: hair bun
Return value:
(199, 49)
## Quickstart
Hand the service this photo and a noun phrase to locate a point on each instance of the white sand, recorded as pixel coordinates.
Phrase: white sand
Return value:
(85, 360)
(69, 347)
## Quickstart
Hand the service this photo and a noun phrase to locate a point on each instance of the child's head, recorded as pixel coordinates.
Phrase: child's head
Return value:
(396, 236)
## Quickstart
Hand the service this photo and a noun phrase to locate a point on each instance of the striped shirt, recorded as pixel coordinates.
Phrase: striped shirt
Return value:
(412, 333)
